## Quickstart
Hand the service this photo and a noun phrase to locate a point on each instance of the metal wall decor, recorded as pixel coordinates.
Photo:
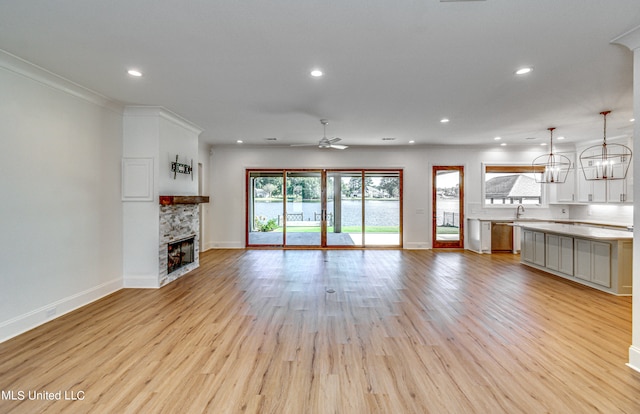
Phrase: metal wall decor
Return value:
(551, 168)
(176, 168)
(605, 161)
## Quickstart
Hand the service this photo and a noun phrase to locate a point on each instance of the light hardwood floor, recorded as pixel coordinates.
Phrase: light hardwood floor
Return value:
(312, 331)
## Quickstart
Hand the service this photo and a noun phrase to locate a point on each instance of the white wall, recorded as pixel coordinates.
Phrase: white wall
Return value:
(634, 349)
(159, 135)
(177, 137)
(61, 237)
(141, 135)
(631, 40)
(204, 151)
(227, 174)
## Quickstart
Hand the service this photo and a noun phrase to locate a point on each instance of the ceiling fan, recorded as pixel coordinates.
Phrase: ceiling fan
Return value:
(325, 142)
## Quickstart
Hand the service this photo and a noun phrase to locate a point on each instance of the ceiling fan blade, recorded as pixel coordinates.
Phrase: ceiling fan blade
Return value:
(338, 146)
(303, 145)
(334, 140)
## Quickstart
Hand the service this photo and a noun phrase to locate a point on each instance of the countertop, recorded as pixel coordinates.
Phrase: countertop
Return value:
(579, 231)
(527, 220)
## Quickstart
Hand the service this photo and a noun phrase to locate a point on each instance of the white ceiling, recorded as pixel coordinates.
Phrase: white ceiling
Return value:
(240, 68)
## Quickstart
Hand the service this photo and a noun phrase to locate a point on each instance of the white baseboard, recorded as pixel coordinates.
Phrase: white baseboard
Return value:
(23, 323)
(417, 246)
(141, 282)
(224, 245)
(240, 245)
(634, 358)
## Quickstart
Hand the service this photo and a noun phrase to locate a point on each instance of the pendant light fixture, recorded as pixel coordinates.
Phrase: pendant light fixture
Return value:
(605, 161)
(551, 168)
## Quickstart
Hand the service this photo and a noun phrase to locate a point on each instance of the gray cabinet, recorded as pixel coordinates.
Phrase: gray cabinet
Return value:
(533, 247)
(559, 253)
(582, 259)
(601, 263)
(593, 261)
(598, 258)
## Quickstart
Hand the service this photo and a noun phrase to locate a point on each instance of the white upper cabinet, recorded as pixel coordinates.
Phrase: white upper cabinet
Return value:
(565, 192)
(604, 191)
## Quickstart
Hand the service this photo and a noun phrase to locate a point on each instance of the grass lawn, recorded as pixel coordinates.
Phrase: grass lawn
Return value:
(345, 229)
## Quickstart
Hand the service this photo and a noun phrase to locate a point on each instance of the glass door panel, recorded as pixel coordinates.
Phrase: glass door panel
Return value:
(448, 196)
(304, 208)
(265, 208)
(344, 208)
(324, 208)
(382, 208)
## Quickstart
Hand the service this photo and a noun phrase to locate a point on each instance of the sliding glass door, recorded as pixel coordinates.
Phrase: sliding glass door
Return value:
(383, 208)
(344, 208)
(304, 208)
(265, 209)
(324, 208)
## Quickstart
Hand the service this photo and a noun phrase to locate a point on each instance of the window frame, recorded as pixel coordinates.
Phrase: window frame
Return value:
(515, 167)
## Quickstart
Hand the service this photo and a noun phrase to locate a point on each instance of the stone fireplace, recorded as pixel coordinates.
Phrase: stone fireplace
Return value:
(179, 250)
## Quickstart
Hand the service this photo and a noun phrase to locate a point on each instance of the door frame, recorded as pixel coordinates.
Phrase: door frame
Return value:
(435, 243)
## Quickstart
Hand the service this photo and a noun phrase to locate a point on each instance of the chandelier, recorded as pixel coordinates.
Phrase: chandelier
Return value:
(605, 161)
(551, 168)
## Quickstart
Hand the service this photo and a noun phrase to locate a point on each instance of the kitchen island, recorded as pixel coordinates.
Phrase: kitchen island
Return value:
(597, 257)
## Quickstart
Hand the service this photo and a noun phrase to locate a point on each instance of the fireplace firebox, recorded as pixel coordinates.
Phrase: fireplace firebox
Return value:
(180, 253)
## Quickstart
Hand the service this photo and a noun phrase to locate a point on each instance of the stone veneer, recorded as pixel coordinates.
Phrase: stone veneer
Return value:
(178, 222)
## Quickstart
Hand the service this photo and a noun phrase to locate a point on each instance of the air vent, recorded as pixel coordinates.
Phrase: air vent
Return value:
(271, 139)
(530, 138)
(388, 139)
(457, 1)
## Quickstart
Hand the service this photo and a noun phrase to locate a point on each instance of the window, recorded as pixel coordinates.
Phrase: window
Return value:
(510, 184)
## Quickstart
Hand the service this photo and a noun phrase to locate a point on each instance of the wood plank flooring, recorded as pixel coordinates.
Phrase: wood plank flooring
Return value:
(330, 331)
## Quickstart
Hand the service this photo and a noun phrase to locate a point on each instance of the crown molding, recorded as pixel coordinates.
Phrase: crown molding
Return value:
(630, 39)
(19, 66)
(161, 112)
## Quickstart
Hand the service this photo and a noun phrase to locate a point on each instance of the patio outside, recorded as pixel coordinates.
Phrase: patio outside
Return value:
(345, 210)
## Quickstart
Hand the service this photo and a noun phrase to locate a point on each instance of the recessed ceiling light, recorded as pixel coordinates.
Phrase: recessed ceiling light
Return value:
(632, 120)
(239, 141)
(560, 138)
(544, 144)
(524, 71)
(504, 144)
(316, 73)
(412, 142)
(497, 138)
(134, 72)
(444, 120)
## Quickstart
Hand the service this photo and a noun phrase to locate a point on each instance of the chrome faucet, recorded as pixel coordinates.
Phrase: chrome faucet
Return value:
(519, 211)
